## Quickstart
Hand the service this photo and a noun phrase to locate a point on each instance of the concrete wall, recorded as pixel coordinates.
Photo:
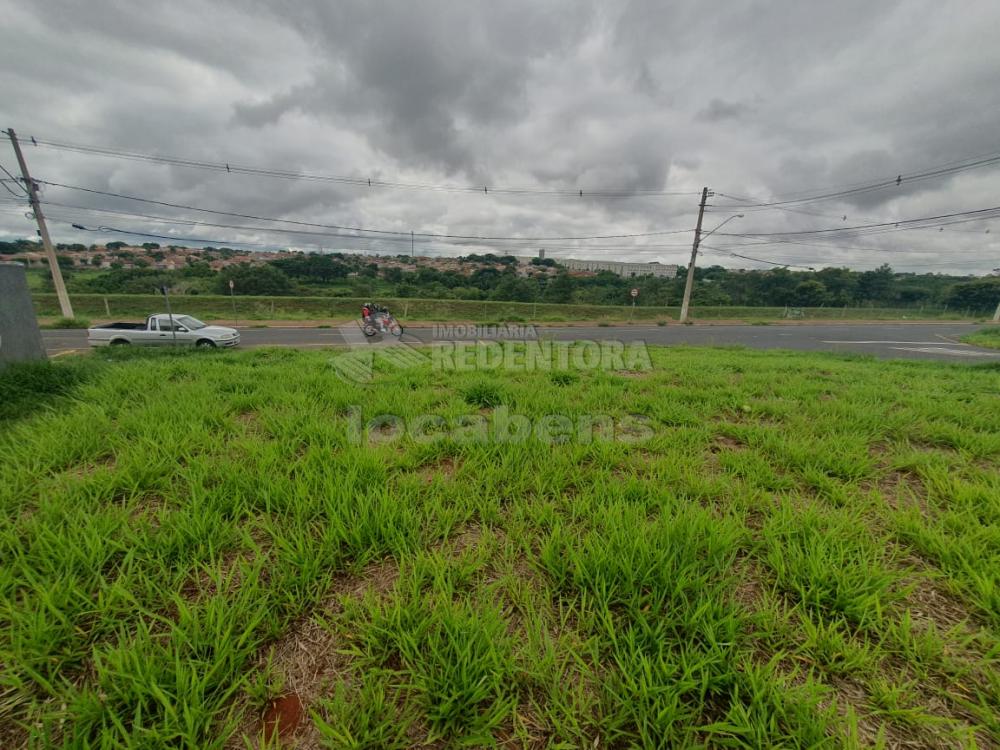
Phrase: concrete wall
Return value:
(20, 338)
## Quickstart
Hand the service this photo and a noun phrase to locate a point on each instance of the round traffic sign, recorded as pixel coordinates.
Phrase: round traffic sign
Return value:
(634, 292)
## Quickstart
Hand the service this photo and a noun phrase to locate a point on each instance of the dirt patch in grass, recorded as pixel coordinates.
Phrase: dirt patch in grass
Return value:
(725, 442)
(309, 658)
(848, 694)
(445, 468)
(752, 585)
(148, 509)
(928, 603)
(12, 736)
(899, 489)
(85, 470)
(281, 718)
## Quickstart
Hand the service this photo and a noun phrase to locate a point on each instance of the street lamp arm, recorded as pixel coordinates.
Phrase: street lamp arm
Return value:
(734, 216)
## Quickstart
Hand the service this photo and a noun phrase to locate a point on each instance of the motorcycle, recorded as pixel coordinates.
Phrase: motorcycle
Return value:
(381, 323)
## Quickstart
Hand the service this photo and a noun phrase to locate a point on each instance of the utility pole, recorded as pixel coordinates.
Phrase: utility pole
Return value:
(170, 314)
(43, 230)
(996, 315)
(411, 243)
(694, 256)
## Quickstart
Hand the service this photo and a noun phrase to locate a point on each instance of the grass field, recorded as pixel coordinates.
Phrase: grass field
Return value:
(989, 337)
(124, 306)
(201, 551)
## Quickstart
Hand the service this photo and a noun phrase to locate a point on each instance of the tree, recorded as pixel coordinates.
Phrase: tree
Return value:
(150, 246)
(810, 293)
(559, 288)
(983, 294)
(393, 275)
(263, 279)
(876, 286)
(841, 284)
(777, 287)
(515, 289)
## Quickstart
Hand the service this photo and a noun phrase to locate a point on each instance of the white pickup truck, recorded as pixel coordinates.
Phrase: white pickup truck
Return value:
(163, 330)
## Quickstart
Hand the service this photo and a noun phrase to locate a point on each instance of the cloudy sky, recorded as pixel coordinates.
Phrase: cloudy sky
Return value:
(766, 101)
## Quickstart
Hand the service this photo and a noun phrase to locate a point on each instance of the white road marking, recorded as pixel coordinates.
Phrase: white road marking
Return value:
(915, 343)
(941, 350)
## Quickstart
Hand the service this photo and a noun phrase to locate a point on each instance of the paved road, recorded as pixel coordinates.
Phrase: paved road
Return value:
(938, 341)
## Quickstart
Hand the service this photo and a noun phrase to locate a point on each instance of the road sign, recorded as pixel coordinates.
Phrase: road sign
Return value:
(231, 284)
(634, 292)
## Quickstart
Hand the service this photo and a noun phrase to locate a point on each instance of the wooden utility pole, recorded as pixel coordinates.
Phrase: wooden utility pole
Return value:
(694, 256)
(43, 230)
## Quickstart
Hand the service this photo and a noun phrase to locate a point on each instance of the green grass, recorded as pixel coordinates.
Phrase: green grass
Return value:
(805, 552)
(68, 323)
(989, 337)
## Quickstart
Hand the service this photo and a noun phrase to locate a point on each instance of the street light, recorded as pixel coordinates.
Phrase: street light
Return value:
(734, 216)
(698, 236)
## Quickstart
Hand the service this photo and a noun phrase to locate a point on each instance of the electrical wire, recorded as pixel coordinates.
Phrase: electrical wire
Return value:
(230, 168)
(310, 233)
(977, 214)
(388, 232)
(15, 181)
(758, 260)
(7, 188)
(946, 169)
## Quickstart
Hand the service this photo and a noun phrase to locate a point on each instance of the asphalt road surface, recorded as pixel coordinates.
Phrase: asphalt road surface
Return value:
(936, 341)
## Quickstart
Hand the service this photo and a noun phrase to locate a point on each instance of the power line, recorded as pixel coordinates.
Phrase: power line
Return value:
(942, 171)
(388, 232)
(758, 260)
(230, 168)
(290, 231)
(15, 181)
(978, 213)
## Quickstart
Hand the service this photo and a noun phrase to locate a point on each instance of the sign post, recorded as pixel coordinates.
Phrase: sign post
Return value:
(634, 293)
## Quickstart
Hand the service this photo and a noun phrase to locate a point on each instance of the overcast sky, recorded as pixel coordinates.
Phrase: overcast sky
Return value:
(753, 99)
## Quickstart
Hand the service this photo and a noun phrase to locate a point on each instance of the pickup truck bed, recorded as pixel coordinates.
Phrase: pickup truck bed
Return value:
(123, 326)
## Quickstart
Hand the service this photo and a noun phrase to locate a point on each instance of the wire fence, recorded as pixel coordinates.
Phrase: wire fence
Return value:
(247, 308)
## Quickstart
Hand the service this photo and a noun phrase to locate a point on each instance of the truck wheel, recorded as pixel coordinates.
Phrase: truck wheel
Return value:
(119, 342)
(205, 344)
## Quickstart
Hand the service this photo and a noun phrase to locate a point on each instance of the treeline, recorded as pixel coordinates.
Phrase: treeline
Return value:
(503, 278)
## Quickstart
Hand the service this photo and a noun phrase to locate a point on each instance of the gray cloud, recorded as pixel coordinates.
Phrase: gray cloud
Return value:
(755, 99)
(718, 109)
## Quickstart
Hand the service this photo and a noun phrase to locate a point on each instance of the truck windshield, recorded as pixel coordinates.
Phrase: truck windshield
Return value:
(192, 324)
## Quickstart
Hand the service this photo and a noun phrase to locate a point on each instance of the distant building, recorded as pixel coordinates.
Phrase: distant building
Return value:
(622, 268)
(541, 254)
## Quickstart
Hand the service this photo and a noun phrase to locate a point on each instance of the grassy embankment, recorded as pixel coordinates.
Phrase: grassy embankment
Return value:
(804, 552)
(125, 306)
(989, 337)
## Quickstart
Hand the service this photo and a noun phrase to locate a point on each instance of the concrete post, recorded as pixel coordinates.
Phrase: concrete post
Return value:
(20, 339)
